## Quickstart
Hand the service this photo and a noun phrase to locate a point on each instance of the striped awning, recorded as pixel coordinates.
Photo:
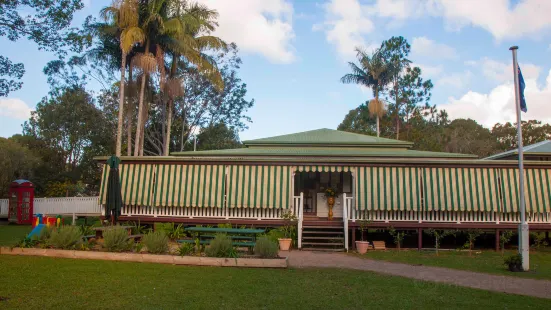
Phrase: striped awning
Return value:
(259, 186)
(537, 186)
(388, 188)
(450, 189)
(323, 168)
(136, 183)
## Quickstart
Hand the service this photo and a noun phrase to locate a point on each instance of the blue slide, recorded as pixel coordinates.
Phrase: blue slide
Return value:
(36, 230)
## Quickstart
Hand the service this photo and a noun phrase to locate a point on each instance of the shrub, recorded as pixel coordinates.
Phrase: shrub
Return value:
(221, 246)
(266, 247)
(186, 249)
(66, 237)
(275, 234)
(116, 240)
(514, 262)
(156, 242)
(45, 234)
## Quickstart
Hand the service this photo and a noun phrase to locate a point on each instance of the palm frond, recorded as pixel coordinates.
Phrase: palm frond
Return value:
(131, 36)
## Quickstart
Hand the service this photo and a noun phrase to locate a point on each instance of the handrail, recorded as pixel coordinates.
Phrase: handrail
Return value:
(300, 219)
(345, 220)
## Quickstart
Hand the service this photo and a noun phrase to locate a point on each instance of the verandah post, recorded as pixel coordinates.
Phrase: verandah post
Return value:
(419, 239)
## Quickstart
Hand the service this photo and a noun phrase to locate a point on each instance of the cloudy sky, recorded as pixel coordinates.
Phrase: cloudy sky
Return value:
(294, 53)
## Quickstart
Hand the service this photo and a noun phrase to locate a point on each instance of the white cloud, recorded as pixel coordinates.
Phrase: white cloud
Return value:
(346, 22)
(257, 26)
(456, 80)
(498, 105)
(503, 72)
(502, 18)
(15, 108)
(428, 71)
(423, 46)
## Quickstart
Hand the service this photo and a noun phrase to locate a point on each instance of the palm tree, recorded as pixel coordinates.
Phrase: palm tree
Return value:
(187, 35)
(124, 14)
(372, 73)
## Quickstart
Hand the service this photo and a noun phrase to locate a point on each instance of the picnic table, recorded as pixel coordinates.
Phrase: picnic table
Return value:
(245, 237)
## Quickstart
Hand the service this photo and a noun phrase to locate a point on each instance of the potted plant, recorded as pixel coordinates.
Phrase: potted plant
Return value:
(330, 195)
(289, 225)
(362, 245)
(514, 262)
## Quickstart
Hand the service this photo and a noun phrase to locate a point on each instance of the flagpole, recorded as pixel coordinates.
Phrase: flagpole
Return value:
(523, 247)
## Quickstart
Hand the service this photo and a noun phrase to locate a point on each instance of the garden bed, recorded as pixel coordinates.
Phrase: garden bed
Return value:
(150, 258)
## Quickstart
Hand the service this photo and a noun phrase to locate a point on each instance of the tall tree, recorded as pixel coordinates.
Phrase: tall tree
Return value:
(124, 14)
(395, 51)
(47, 23)
(372, 73)
(217, 137)
(16, 161)
(70, 122)
(533, 131)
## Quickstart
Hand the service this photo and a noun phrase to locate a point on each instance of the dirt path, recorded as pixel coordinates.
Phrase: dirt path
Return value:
(511, 285)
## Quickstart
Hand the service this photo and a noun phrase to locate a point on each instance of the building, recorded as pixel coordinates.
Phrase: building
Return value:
(540, 151)
(380, 180)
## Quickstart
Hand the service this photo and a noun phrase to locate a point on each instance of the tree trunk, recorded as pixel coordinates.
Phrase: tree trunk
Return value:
(378, 131)
(129, 114)
(170, 103)
(397, 109)
(139, 137)
(121, 107)
(145, 115)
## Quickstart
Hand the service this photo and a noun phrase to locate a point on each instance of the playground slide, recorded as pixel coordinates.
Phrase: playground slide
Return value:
(36, 230)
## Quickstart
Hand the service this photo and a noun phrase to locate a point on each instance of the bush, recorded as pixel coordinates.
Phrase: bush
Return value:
(275, 234)
(266, 247)
(186, 249)
(66, 237)
(514, 262)
(45, 234)
(116, 240)
(221, 246)
(156, 242)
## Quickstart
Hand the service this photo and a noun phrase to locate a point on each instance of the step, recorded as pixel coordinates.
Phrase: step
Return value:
(323, 243)
(323, 249)
(317, 232)
(322, 238)
(323, 227)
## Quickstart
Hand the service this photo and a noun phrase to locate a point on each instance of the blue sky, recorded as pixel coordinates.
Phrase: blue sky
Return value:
(294, 53)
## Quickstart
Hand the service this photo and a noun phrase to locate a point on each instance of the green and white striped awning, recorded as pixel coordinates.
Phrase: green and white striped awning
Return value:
(537, 186)
(323, 168)
(136, 183)
(259, 186)
(169, 185)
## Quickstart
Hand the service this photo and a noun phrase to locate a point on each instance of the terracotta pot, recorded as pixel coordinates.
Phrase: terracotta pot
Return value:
(362, 246)
(284, 244)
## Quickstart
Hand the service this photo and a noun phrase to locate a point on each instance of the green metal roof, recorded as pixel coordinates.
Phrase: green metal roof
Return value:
(327, 152)
(543, 148)
(328, 137)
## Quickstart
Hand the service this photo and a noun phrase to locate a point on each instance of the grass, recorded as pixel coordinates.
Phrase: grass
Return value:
(485, 261)
(11, 234)
(54, 283)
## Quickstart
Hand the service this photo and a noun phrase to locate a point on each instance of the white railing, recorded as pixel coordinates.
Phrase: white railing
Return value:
(446, 216)
(67, 205)
(298, 203)
(4, 203)
(346, 211)
(61, 205)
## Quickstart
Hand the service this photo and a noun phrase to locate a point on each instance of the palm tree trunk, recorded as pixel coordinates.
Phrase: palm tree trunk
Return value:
(129, 114)
(121, 107)
(377, 99)
(378, 132)
(397, 109)
(139, 138)
(170, 103)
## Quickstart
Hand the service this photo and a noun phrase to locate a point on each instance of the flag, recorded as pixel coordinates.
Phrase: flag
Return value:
(521, 86)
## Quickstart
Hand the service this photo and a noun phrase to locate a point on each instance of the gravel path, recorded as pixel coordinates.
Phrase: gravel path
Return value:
(511, 285)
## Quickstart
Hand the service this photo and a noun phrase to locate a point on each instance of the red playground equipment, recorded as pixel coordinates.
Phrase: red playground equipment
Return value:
(20, 208)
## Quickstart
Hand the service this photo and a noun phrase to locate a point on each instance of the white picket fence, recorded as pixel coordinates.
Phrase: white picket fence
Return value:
(85, 206)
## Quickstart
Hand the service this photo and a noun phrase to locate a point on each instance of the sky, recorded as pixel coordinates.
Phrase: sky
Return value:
(294, 53)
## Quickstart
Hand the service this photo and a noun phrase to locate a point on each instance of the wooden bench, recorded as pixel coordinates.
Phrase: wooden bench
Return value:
(378, 245)
(207, 242)
(243, 237)
(136, 238)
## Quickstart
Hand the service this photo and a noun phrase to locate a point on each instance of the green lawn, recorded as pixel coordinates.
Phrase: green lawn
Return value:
(486, 261)
(54, 283)
(10, 234)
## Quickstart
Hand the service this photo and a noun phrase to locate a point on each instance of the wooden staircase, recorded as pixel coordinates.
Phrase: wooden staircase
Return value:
(326, 237)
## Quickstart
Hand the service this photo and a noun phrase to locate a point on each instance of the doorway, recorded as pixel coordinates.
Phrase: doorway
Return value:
(313, 184)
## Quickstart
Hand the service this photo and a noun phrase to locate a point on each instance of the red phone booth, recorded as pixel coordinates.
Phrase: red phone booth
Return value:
(20, 209)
